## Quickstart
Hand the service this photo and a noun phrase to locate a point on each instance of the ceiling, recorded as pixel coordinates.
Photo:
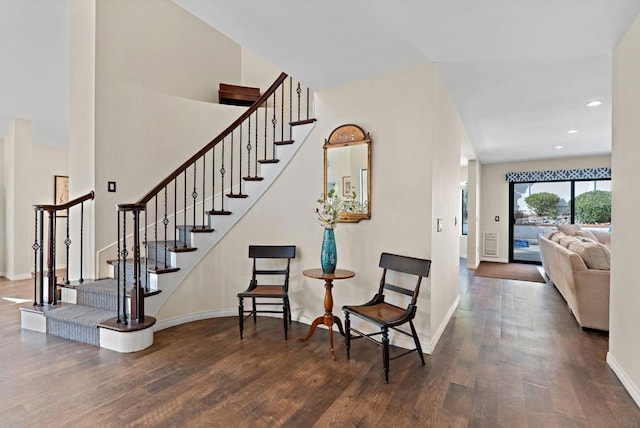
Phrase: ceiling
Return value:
(520, 72)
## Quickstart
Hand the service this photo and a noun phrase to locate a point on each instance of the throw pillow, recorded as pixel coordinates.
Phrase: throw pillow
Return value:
(555, 236)
(568, 229)
(595, 256)
(586, 234)
(566, 240)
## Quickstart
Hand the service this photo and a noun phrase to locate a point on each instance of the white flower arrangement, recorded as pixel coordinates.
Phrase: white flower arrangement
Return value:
(329, 210)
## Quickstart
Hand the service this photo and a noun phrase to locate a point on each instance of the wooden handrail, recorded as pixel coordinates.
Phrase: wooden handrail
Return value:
(146, 198)
(89, 196)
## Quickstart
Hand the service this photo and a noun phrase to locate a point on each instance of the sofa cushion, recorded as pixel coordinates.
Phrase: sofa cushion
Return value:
(595, 256)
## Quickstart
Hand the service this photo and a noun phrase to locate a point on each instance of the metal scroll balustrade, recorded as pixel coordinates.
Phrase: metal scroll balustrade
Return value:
(191, 197)
(55, 214)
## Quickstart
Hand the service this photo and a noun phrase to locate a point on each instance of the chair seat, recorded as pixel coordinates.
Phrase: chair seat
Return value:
(379, 313)
(264, 291)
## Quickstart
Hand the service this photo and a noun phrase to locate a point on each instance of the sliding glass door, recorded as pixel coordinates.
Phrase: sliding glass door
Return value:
(539, 206)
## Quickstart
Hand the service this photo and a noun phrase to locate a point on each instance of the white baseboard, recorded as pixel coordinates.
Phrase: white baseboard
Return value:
(17, 277)
(632, 388)
(172, 322)
(436, 336)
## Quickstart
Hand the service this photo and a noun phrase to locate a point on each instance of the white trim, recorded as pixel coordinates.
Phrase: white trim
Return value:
(18, 277)
(32, 320)
(125, 342)
(197, 316)
(631, 387)
(436, 337)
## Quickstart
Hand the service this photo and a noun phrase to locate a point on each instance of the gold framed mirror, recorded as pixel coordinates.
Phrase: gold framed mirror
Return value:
(347, 170)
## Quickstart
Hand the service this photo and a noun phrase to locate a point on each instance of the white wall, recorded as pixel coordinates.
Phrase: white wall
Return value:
(495, 193)
(256, 72)
(154, 91)
(464, 172)
(406, 186)
(29, 171)
(474, 177)
(624, 335)
(82, 131)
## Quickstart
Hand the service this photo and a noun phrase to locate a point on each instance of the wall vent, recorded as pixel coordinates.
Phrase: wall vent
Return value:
(490, 247)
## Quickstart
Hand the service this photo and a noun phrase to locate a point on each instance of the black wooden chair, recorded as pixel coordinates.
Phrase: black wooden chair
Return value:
(257, 290)
(386, 315)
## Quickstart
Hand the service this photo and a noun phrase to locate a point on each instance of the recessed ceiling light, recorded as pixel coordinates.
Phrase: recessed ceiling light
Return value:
(572, 131)
(558, 147)
(594, 103)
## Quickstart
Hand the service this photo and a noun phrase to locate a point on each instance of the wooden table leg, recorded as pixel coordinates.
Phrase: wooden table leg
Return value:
(327, 319)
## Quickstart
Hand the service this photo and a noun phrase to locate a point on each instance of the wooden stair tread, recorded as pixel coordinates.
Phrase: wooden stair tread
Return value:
(301, 122)
(182, 249)
(219, 212)
(237, 195)
(160, 271)
(198, 229)
(255, 178)
(283, 143)
(268, 161)
(112, 324)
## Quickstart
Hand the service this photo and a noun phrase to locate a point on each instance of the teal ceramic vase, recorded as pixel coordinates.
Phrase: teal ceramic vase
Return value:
(329, 254)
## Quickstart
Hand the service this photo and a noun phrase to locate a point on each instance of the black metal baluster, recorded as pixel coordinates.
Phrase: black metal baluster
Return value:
(231, 192)
(81, 280)
(204, 188)
(281, 112)
(146, 251)
(67, 243)
(256, 143)
(249, 149)
(41, 257)
(222, 172)
(213, 179)
(52, 239)
(175, 214)
(155, 233)
(184, 213)
(35, 247)
(165, 221)
(194, 194)
(274, 121)
(290, 108)
(240, 159)
(265, 129)
(307, 103)
(299, 91)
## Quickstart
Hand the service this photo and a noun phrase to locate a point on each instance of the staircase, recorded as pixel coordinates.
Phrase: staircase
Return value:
(164, 235)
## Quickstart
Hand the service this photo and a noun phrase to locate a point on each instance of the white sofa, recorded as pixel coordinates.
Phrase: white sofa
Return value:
(579, 269)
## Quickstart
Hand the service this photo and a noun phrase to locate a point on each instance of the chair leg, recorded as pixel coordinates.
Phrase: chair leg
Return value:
(288, 309)
(347, 336)
(240, 314)
(285, 315)
(415, 339)
(385, 353)
(254, 310)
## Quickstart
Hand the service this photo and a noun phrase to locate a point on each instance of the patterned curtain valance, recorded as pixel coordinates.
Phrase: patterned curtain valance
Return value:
(559, 175)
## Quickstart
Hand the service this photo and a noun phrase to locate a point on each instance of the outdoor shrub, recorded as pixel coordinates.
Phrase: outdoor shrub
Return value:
(593, 207)
(543, 203)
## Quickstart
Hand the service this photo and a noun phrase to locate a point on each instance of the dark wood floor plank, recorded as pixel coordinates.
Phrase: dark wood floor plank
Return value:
(513, 356)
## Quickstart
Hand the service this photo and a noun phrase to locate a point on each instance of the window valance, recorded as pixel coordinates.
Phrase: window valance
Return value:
(559, 175)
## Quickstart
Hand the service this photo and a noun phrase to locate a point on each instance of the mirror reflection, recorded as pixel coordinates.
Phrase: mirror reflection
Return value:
(347, 167)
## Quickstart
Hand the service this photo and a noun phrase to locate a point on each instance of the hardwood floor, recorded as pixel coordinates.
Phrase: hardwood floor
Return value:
(513, 356)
